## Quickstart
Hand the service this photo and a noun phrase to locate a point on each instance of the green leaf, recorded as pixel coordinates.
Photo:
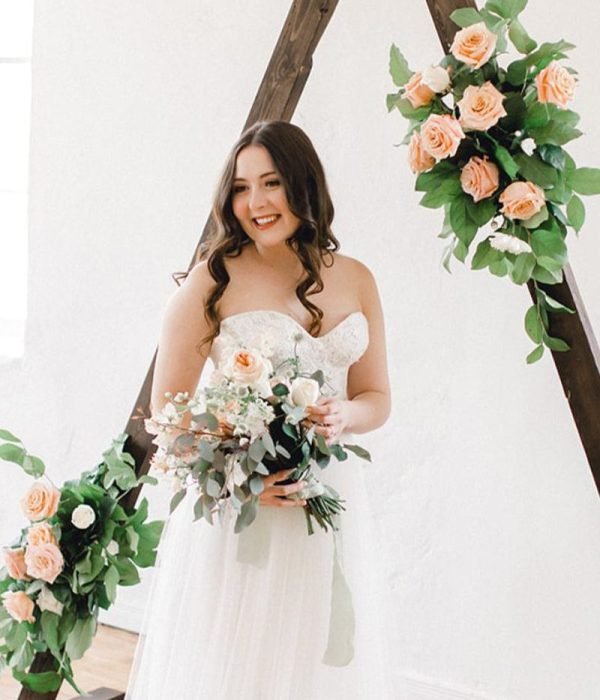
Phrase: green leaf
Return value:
(462, 224)
(247, 514)
(398, 65)
(481, 212)
(552, 304)
(561, 193)
(45, 682)
(358, 451)
(536, 219)
(257, 485)
(534, 169)
(485, 255)
(522, 268)
(49, 622)
(533, 324)
(585, 181)
(257, 450)
(541, 274)
(509, 9)
(33, 466)
(269, 444)
(466, 16)
(500, 268)
(555, 133)
(549, 248)
(8, 436)
(556, 344)
(576, 213)
(516, 73)
(553, 155)
(437, 176)
(81, 637)
(176, 500)
(549, 51)
(111, 579)
(12, 453)
(520, 38)
(505, 159)
(206, 421)
(535, 355)
(538, 115)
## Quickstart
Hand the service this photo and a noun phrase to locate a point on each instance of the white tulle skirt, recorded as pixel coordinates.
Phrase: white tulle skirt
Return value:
(249, 616)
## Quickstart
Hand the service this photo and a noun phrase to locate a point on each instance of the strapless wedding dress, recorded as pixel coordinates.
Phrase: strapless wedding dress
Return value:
(272, 613)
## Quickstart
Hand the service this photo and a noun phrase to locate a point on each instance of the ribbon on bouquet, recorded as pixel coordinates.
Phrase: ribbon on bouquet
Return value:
(254, 547)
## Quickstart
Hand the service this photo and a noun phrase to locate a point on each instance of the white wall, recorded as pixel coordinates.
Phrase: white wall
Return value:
(490, 512)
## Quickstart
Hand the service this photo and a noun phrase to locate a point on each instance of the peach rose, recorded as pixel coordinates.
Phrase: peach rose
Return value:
(474, 45)
(416, 92)
(249, 367)
(40, 533)
(41, 501)
(481, 107)
(44, 561)
(522, 200)
(418, 158)
(441, 135)
(480, 178)
(555, 84)
(18, 605)
(15, 563)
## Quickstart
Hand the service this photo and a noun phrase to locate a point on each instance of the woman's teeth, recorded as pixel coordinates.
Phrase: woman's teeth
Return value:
(264, 221)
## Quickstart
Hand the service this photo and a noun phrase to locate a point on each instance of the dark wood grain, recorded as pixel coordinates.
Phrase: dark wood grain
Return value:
(277, 98)
(579, 368)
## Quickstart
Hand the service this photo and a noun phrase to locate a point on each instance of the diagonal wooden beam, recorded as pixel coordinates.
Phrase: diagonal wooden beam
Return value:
(277, 98)
(579, 368)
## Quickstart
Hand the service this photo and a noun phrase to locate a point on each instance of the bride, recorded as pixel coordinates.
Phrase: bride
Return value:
(272, 613)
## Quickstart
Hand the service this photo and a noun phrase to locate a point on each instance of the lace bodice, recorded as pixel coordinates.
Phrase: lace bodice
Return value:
(277, 334)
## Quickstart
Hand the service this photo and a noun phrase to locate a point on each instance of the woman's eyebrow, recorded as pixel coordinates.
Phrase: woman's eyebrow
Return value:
(271, 172)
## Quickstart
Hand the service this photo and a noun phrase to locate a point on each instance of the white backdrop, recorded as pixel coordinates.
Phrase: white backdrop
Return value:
(486, 500)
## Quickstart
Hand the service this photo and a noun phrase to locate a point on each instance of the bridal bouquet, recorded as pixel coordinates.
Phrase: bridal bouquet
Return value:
(248, 423)
(78, 545)
(487, 145)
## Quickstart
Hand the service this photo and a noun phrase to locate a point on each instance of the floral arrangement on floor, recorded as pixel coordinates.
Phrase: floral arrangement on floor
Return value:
(486, 143)
(249, 422)
(78, 545)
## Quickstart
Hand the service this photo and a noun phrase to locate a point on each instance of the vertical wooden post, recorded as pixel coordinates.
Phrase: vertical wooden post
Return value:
(579, 368)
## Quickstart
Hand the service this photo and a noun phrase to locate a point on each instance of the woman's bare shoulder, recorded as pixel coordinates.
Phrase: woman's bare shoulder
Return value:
(347, 265)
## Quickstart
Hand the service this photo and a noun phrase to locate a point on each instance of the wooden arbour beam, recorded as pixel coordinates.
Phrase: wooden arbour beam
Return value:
(578, 368)
(276, 98)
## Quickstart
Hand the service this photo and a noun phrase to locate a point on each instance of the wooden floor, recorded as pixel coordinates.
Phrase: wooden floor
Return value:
(106, 663)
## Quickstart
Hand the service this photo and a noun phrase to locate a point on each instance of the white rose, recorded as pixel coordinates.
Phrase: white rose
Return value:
(436, 78)
(112, 547)
(47, 601)
(509, 244)
(304, 391)
(83, 516)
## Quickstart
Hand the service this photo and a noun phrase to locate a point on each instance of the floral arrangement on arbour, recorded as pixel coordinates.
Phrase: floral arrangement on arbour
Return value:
(250, 421)
(79, 544)
(487, 144)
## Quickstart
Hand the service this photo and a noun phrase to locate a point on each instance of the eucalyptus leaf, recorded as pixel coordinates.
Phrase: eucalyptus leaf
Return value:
(556, 344)
(8, 436)
(535, 354)
(358, 451)
(176, 499)
(12, 453)
(533, 324)
(247, 515)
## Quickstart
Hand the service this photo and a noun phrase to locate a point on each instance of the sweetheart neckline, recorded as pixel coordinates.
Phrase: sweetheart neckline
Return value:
(294, 321)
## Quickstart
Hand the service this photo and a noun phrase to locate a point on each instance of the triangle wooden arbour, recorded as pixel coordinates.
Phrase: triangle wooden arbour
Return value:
(277, 97)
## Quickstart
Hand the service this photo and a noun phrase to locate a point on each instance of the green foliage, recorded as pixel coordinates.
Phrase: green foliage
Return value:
(576, 213)
(508, 9)
(585, 181)
(466, 16)
(534, 169)
(520, 38)
(398, 66)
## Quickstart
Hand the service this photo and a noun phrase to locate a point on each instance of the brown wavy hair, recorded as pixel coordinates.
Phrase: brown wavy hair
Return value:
(308, 198)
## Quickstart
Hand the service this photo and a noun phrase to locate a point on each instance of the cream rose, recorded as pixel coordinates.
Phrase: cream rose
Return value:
(249, 367)
(418, 159)
(304, 391)
(417, 93)
(480, 178)
(522, 200)
(83, 516)
(44, 561)
(555, 84)
(474, 45)
(15, 564)
(40, 533)
(481, 107)
(436, 78)
(41, 501)
(440, 135)
(46, 600)
(18, 605)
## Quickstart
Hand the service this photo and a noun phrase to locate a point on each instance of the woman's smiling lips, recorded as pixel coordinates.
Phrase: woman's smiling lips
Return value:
(264, 222)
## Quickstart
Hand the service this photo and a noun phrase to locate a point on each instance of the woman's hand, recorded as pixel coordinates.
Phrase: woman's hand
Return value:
(275, 495)
(331, 416)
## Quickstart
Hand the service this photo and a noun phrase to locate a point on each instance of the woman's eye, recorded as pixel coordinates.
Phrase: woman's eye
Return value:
(273, 183)
(238, 188)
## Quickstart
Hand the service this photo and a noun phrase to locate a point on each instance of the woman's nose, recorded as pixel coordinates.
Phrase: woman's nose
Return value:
(257, 198)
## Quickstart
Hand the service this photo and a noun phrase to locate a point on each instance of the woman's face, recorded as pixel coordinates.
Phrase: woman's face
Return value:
(258, 199)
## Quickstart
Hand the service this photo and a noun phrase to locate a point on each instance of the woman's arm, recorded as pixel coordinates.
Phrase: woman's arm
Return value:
(181, 356)
(368, 405)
